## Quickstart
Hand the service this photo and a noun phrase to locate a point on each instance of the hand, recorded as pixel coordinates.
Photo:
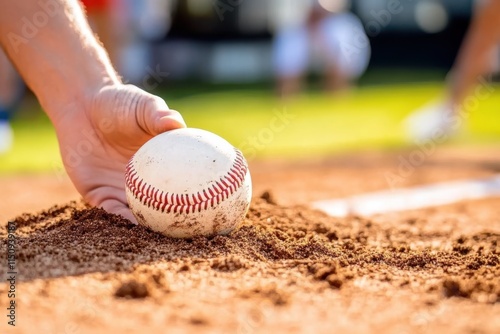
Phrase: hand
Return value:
(98, 136)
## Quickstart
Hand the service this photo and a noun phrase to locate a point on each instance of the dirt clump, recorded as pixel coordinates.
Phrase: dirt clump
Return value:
(284, 263)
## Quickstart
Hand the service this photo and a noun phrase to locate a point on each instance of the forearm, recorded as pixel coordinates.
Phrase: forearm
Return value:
(475, 55)
(51, 44)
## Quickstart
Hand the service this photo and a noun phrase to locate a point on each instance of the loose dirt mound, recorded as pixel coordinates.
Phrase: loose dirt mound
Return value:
(285, 268)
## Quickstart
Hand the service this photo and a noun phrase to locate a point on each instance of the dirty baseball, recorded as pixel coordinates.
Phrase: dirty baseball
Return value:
(188, 182)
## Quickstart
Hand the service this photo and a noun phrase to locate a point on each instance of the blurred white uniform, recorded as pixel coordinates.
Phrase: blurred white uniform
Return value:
(338, 40)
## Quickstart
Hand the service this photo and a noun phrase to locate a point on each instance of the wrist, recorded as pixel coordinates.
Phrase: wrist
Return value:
(76, 90)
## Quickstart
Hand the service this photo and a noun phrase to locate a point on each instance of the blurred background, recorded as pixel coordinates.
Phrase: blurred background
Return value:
(277, 78)
(231, 40)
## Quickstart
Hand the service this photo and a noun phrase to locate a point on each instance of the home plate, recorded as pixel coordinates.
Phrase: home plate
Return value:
(410, 198)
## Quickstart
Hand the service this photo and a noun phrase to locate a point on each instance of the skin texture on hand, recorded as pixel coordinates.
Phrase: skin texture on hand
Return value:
(99, 122)
(97, 141)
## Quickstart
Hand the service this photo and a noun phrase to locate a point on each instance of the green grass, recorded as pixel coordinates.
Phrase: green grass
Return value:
(35, 145)
(318, 124)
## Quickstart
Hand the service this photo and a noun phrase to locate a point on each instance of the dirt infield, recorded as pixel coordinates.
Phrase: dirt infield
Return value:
(286, 269)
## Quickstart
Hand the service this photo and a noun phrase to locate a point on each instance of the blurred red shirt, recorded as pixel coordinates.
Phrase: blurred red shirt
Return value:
(92, 6)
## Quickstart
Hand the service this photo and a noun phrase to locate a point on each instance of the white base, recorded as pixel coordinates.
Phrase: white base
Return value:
(411, 198)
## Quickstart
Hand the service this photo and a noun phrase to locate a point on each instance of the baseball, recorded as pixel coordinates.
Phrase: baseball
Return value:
(188, 182)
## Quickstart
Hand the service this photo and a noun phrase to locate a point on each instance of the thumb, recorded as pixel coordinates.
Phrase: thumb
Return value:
(163, 119)
(152, 113)
(168, 120)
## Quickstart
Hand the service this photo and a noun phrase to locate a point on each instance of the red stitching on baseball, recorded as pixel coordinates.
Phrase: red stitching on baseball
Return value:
(180, 203)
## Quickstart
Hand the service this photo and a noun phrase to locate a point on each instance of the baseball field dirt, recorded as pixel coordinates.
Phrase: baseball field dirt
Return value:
(286, 269)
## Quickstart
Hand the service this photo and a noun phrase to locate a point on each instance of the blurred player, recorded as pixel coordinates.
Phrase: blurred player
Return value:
(333, 39)
(11, 91)
(138, 24)
(475, 59)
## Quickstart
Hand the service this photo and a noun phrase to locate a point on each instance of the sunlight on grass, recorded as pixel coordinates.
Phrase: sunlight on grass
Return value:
(315, 123)
(262, 126)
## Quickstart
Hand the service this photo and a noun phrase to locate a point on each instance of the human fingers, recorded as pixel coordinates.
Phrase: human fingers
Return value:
(118, 208)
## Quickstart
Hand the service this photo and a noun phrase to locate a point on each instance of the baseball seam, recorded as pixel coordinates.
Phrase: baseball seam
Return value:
(168, 202)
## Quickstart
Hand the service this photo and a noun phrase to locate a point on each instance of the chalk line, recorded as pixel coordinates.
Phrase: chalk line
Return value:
(410, 198)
